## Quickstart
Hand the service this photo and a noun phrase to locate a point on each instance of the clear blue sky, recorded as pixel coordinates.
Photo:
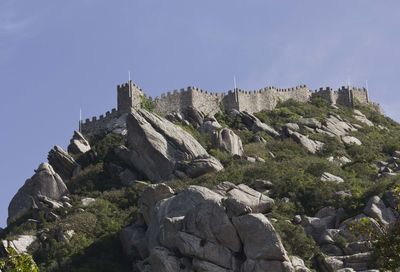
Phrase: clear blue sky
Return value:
(59, 56)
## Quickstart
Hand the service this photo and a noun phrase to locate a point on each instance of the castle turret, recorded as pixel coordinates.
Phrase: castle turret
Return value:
(129, 96)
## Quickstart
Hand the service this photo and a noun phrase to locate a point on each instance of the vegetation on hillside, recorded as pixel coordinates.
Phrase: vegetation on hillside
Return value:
(294, 173)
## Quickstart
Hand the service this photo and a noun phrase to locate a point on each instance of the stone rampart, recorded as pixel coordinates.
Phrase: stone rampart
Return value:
(130, 97)
(96, 124)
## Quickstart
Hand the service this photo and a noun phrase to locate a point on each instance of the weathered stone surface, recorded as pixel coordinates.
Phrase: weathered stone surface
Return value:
(209, 127)
(336, 126)
(78, 144)
(203, 165)
(52, 204)
(266, 266)
(87, 201)
(310, 122)
(150, 196)
(190, 245)
(127, 177)
(260, 240)
(62, 163)
(193, 116)
(177, 206)
(376, 209)
(345, 227)
(312, 146)
(328, 177)
(44, 182)
(342, 160)
(298, 264)
(243, 199)
(350, 140)
(157, 146)
(204, 266)
(209, 221)
(133, 240)
(362, 118)
(22, 243)
(228, 141)
(315, 226)
(256, 125)
(169, 230)
(292, 126)
(162, 259)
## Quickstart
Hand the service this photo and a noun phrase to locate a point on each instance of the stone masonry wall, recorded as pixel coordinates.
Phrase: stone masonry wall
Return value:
(99, 124)
(210, 103)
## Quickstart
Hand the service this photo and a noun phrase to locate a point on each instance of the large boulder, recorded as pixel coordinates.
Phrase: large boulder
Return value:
(176, 207)
(336, 126)
(259, 237)
(193, 116)
(45, 182)
(22, 243)
(162, 259)
(377, 209)
(242, 199)
(78, 144)
(209, 126)
(62, 163)
(350, 140)
(255, 124)
(150, 196)
(133, 240)
(193, 246)
(310, 122)
(362, 118)
(328, 177)
(209, 221)
(313, 146)
(158, 148)
(228, 141)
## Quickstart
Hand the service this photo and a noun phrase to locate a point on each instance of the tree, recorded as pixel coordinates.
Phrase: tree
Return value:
(15, 262)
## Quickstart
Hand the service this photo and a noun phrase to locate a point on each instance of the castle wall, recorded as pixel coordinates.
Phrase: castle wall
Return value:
(129, 98)
(360, 95)
(173, 102)
(344, 97)
(268, 98)
(326, 93)
(94, 125)
(208, 103)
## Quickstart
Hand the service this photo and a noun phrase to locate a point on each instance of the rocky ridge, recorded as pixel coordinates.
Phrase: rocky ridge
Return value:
(230, 226)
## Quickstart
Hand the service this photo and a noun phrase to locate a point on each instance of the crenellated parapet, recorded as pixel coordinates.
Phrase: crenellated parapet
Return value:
(344, 96)
(130, 96)
(99, 123)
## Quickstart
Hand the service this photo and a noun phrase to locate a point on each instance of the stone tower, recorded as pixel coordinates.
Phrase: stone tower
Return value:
(129, 96)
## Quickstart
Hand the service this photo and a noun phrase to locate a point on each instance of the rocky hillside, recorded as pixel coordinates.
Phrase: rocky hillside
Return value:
(305, 187)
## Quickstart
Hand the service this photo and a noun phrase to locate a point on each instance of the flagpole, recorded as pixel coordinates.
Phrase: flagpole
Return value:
(129, 83)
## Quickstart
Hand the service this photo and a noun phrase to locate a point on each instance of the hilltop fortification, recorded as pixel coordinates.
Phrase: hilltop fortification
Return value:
(129, 96)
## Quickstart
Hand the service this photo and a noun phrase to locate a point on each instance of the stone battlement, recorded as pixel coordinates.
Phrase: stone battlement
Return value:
(130, 96)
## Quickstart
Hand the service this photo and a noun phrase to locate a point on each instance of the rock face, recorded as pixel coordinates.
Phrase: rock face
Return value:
(312, 146)
(62, 163)
(335, 125)
(328, 177)
(44, 182)
(228, 141)
(79, 144)
(255, 124)
(22, 243)
(377, 209)
(350, 140)
(158, 148)
(192, 231)
(362, 118)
